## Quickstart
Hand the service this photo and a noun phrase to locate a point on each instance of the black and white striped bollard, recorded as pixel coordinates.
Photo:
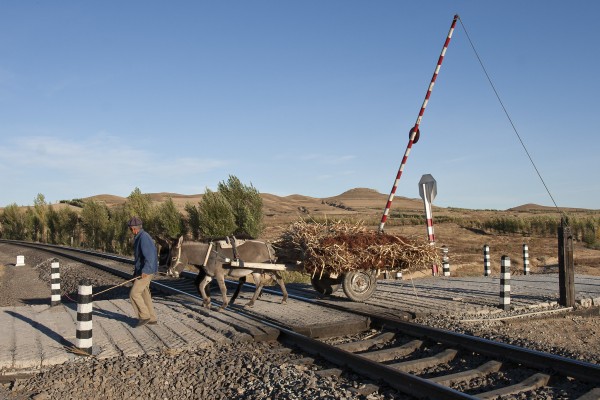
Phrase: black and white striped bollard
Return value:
(83, 340)
(505, 283)
(525, 259)
(54, 283)
(445, 261)
(487, 271)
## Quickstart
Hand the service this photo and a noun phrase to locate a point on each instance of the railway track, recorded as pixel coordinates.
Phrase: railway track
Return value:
(420, 361)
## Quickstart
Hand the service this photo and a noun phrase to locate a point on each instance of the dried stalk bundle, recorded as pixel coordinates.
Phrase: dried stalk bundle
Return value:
(340, 247)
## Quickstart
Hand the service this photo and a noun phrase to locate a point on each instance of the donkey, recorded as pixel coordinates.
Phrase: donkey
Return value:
(211, 259)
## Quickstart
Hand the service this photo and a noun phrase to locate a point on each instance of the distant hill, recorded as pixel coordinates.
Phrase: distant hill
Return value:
(357, 200)
(531, 207)
(363, 198)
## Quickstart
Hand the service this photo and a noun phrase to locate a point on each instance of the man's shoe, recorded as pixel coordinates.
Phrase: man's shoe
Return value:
(152, 322)
(142, 322)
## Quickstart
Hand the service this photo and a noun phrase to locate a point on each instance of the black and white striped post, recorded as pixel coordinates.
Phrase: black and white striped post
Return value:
(487, 271)
(505, 283)
(525, 259)
(445, 261)
(54, 283)
(83, 340)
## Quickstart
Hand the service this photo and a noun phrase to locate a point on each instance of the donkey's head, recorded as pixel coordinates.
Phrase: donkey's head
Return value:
(175, 264)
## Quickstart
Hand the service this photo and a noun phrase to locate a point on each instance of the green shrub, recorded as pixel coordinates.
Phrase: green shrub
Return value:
(246, 204)
(216, 215)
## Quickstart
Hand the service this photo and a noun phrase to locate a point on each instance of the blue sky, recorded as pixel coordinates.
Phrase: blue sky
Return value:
(299, 97)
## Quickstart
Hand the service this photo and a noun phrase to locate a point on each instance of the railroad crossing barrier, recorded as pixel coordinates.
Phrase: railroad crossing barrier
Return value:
(525, 259)
(83, 339)
(55, 283)
(487, 271)
(505, 283)
(20, 261)
(445, 261)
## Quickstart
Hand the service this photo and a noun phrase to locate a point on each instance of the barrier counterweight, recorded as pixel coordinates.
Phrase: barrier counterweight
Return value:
(83, 340)
(55, 284)
(505, 283)
(487, 270)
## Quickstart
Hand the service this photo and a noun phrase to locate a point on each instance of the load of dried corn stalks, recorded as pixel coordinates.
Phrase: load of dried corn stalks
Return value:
(340, 247)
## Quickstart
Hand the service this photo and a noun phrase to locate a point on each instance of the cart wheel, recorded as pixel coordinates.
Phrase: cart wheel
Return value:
(359, 285)
(325, 285)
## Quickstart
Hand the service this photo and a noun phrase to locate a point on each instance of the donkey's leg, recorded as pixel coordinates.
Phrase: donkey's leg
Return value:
(279, 280)
(259, 282)
(237, 290)
(201, 275)
(223, 288)
(202, 290)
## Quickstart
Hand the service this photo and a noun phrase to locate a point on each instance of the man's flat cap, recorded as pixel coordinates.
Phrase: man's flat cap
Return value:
(135, 221)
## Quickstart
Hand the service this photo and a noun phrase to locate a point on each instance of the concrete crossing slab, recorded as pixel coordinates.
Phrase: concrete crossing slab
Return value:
(38, 336)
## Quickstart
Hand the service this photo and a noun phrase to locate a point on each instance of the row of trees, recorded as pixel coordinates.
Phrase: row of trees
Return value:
(234, 209)
(584, 229)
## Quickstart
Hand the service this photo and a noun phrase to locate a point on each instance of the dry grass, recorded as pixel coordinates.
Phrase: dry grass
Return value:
(338, 247)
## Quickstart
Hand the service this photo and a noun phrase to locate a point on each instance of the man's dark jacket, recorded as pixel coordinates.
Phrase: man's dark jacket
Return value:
(144, 251)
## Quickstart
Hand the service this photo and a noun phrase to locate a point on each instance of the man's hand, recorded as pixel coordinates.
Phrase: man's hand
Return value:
(144, 275)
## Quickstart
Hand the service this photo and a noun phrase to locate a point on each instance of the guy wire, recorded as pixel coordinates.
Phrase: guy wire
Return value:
(509, 118)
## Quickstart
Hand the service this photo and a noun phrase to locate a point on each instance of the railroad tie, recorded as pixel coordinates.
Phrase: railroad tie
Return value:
(533, 382)
(365, 390)
(362, 345)
(393, 352)
(422, 363)
(465, 376)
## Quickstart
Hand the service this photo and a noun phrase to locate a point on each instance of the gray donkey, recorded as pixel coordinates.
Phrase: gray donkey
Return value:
(213, 261)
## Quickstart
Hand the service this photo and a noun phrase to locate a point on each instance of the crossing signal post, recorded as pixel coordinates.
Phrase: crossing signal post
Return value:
(428, 191)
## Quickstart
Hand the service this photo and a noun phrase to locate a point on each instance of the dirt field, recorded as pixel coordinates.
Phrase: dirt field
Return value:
(465, 245)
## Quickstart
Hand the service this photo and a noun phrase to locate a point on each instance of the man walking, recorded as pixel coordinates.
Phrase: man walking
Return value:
(146, 265)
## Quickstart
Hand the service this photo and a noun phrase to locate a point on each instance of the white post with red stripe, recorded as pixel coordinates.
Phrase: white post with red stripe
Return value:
(428, 191)
(414, 132)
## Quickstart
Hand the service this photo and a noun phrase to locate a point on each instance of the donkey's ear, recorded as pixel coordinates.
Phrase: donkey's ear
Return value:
(180, 240)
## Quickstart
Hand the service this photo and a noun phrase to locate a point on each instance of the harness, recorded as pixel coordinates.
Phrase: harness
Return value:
(232, 243)
(178, 260)
(229, 242)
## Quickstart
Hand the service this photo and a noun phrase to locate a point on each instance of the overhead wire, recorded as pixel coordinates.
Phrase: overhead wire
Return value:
(509, 118)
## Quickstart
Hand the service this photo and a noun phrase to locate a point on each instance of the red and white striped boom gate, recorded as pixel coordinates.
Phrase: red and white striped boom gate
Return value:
(415, 130)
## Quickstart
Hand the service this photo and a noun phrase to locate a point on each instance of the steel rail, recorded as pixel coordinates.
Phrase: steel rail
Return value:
(401, 381)
(564, 366)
